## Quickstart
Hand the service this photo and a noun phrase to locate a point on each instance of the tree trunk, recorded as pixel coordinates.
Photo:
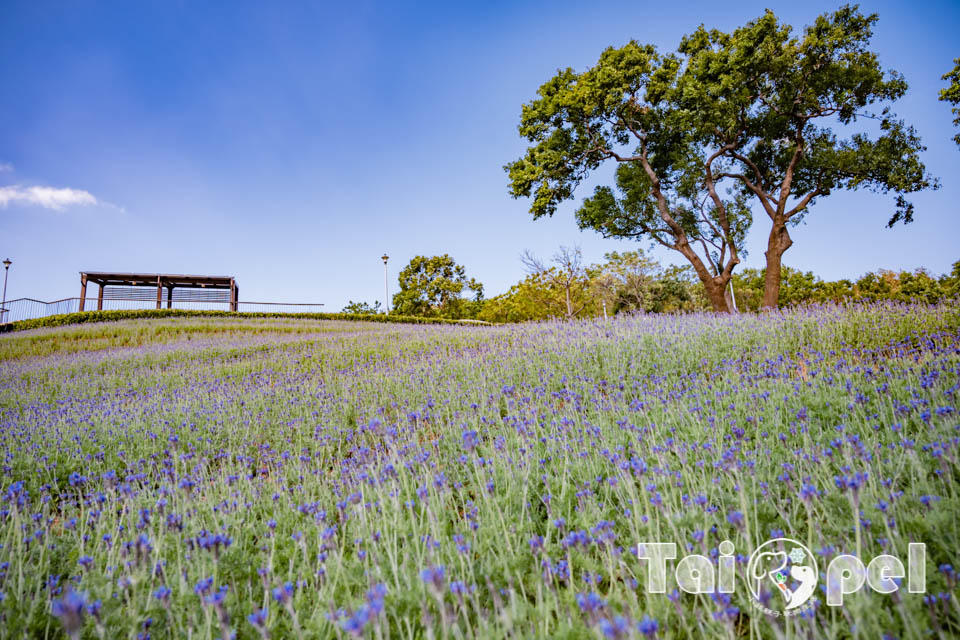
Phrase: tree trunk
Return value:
(716, 295)
(569, 303)
(778, 243)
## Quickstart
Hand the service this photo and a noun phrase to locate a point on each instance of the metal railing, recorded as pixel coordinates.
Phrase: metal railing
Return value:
(29, 308)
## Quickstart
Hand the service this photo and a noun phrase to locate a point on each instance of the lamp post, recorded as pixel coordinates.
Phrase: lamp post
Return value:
(386, 299)
(6, 272)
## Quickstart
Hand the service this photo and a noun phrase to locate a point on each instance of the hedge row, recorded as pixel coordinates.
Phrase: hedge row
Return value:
(129, 314)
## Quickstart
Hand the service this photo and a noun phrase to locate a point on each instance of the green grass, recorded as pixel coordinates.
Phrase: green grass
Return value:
(280, 420)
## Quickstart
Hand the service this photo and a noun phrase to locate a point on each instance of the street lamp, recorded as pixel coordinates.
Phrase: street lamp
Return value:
(6, 272)
(386, 299)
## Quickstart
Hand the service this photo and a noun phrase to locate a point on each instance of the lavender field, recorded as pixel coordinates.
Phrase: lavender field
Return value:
(188, 478)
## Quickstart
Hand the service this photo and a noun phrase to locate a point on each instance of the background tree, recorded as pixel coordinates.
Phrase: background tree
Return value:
(568, 277)
(625, 281)
(434, 286)
(622, 110)
(362, 307)
(536, 297)
(952, 95)
(766, 100)
(950, 282)
(634, 282)
(516, 305)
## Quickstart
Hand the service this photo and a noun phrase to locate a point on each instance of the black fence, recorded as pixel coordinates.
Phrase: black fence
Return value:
(28, 308)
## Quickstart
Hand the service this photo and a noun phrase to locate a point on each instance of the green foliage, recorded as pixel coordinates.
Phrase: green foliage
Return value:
(950, 283)
(625, 282)
(665, 190)
(757, 106)
(766, 98)
(952, 94)
(537, 297)
(362, 307)
(311, 456)
(128, 314)
(677, 290)
(433, 287)
(633, 282)
(882, 285)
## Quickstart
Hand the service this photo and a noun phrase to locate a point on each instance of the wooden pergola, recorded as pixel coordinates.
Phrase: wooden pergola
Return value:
(220, 289)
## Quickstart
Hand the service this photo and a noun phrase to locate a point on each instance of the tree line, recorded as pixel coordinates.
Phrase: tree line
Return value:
(632, 282)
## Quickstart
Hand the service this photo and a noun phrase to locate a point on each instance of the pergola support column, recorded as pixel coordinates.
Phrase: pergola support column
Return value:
(83, 290)
(159, 292)
(100, 299)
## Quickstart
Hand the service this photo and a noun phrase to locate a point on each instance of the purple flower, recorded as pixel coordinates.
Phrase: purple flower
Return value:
(203, 586)
(536, 544)
(259, 620)
(459, 588)
(470, 440)
(284, 593)
(70, 611)
(163, 595)
(616, 628)
(590, 602)
(355, 623)
(434, 576)
(648, 626)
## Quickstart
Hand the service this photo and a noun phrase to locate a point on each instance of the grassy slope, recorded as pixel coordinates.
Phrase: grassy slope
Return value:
(712, 406)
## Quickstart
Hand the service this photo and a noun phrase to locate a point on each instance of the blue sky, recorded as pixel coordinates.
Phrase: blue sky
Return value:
(290, 146)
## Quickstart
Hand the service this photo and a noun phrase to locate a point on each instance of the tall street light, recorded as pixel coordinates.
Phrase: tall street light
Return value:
(6, 272)
(386, 295)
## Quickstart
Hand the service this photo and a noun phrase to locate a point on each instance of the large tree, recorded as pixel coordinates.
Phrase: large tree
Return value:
(435, 286)
(767, 100)
(754, 106)
(622, 110)
(952, 94)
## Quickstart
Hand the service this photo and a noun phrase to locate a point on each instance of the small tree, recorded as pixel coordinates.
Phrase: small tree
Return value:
(362, 307)
(536, 297)
(952, 95)
(434, 286)
(568, 276)
(625, 281)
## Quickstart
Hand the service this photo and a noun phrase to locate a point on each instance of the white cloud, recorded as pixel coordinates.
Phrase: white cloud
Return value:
(46, 197)
(6, 167)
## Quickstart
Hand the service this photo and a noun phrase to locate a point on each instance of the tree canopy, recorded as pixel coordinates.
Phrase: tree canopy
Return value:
(767, 99)
(362, 307)
(435, 286)
(753, 108)
(952, 94)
